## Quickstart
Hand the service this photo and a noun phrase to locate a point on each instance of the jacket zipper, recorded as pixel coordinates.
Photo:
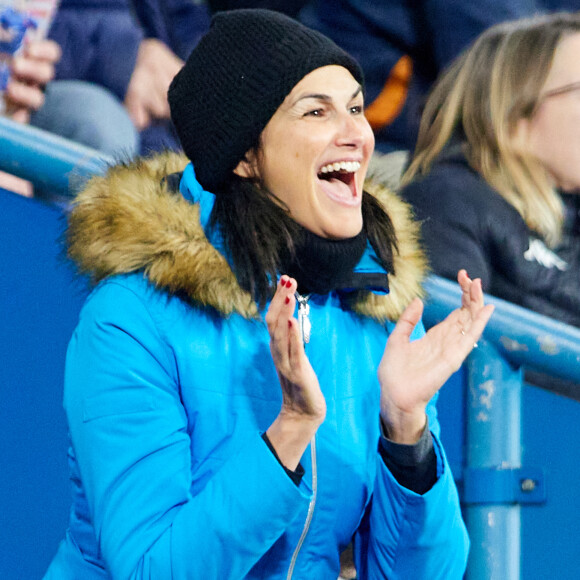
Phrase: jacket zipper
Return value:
(304, 323)
(310, 513)
(303, 320)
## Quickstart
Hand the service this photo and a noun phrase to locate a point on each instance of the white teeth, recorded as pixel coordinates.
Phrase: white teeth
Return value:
(348, 166)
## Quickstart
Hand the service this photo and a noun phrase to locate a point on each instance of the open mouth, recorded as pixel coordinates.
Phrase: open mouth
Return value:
(338, 181)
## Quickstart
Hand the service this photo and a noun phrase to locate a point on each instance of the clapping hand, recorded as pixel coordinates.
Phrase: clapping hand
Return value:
(303, 404)
(411, 372)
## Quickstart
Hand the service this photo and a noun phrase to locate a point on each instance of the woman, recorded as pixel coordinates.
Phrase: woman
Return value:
(496, 172)
(207, 440)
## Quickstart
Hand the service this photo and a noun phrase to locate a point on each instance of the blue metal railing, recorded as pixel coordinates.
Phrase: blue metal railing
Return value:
(521, 336)
(53, 164)
(495, 484)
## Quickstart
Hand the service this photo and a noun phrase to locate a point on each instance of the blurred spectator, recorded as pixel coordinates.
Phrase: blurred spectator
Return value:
(133, 49)
(495, 176)
(290, 7)
(402, 46)
(87, 114)
(78, 111)
(30, 71)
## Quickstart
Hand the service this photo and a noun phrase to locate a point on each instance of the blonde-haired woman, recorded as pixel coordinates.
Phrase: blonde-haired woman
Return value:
(496, 171)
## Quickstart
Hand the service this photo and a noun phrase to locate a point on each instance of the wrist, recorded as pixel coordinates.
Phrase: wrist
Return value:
(404, 427)
(290, 434)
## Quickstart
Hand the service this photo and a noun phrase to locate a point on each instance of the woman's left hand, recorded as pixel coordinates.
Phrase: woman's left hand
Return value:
(411, 372)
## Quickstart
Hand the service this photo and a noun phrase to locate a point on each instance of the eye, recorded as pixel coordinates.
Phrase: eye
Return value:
(356, 109)
(314, 113)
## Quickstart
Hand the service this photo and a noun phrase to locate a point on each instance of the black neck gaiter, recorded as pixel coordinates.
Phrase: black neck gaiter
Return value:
(321, 265)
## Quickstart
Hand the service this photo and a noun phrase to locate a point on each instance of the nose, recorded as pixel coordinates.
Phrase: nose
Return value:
(353, 130)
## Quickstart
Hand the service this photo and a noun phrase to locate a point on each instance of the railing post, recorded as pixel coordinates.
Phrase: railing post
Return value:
(493, 441)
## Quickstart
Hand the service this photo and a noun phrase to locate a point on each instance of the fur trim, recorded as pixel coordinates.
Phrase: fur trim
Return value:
(128, 221)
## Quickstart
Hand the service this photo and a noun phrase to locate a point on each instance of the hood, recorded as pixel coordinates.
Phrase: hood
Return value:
(131, 221)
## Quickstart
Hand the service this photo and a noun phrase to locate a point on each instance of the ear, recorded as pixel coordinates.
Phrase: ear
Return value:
(248, 166)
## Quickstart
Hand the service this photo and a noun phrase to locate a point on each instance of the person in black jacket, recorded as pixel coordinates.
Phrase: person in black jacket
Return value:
(496, 172)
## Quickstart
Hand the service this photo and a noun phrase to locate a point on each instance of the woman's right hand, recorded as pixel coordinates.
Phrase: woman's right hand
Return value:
(303, 405)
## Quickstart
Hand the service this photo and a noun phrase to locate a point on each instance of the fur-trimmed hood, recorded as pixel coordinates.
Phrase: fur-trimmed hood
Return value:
(129, 221)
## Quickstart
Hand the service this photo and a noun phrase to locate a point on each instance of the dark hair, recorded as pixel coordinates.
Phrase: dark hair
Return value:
(380, 231)
(259, 234)
(256, 232)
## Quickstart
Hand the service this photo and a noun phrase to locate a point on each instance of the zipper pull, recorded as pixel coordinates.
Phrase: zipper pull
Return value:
(303, 320)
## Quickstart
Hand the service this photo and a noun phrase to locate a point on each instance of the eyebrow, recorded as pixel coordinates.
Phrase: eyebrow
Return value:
(323, 97)
(561, 90)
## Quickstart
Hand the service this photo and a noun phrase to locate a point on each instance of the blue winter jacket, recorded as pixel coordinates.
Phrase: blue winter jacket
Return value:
(170, 384)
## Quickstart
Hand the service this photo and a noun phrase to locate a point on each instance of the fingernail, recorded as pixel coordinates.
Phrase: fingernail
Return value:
(282, 281)
(289, 324)
(287, 300)
(288, 283)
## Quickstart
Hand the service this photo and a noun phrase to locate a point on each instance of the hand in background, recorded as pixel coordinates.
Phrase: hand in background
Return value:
(32, 69)
(146, 98)
(411, 372)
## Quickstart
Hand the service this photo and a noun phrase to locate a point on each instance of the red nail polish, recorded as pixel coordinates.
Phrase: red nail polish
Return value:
(287, 300)
(289, 324)
(288, 283)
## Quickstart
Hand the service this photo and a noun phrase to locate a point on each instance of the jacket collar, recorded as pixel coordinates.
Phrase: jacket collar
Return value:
(369, 273)
(131, 221)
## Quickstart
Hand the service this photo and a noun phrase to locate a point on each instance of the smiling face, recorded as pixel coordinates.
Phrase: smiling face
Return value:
(554, 130)
(314, 153)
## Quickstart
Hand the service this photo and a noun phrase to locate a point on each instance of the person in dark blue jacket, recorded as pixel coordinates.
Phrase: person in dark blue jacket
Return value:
(289, 7)
(235, 409)
(80, 111)
(403, 45)
(133, 50)
(495, 177)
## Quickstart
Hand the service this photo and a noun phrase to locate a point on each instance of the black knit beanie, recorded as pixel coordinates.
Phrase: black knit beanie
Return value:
(234, 81)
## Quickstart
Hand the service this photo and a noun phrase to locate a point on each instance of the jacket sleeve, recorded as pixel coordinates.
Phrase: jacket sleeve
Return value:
(406, 535)
(454, 24)
(98, 45)
(129, 435)
(178, 23)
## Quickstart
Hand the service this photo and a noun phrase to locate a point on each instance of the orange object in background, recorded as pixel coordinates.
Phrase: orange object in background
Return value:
(387, 106)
